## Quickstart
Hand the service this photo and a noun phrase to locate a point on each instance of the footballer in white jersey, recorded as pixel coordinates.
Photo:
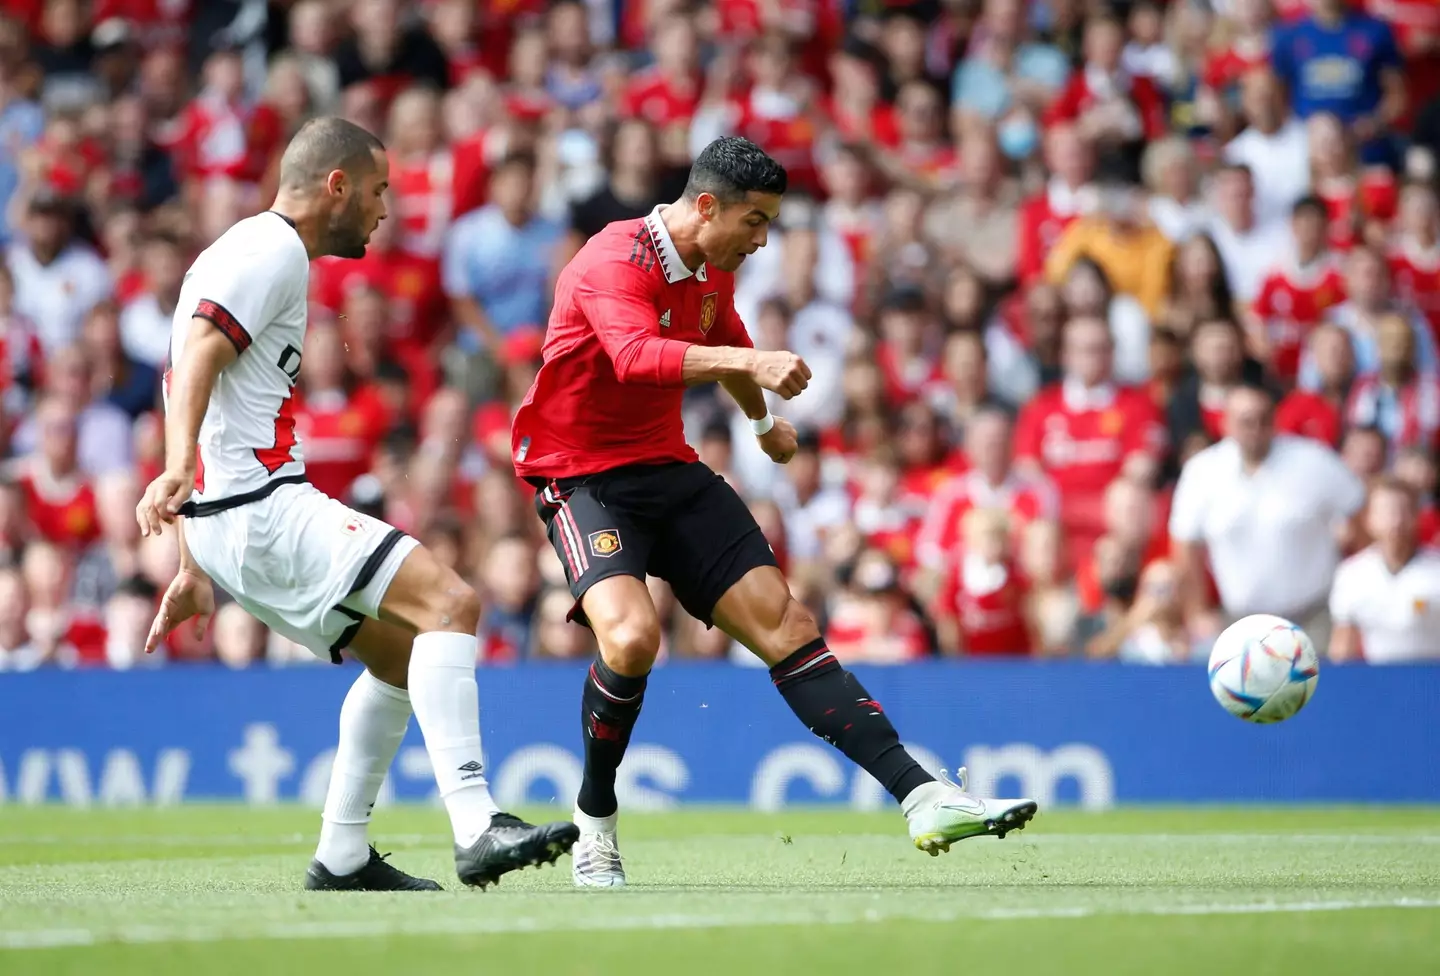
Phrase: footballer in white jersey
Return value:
(304, 564)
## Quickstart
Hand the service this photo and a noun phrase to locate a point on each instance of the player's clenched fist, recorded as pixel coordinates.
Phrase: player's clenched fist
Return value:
(780, 441)
(781, 372)
(162, 501)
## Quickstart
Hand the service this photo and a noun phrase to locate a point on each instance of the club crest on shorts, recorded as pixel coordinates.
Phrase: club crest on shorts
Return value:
(707, 312)
(605, 543)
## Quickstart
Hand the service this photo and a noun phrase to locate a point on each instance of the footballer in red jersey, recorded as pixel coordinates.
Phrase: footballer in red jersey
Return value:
(1085, 432)
(644, 310)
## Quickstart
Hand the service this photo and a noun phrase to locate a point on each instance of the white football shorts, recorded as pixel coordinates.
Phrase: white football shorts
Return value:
(305, 565)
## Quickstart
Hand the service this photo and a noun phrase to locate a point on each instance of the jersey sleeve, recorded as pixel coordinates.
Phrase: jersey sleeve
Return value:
(618, 301)
(242, 293)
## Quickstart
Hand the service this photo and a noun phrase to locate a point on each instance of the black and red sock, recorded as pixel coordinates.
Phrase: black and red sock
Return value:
(608, 710)
(835, 706)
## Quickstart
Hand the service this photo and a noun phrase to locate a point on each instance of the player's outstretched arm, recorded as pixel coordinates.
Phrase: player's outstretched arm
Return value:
(208, 350)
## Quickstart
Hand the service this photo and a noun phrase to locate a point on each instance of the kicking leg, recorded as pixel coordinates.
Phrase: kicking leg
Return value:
(372, 724)
(760, 612)
(622, 615)
(443, 611)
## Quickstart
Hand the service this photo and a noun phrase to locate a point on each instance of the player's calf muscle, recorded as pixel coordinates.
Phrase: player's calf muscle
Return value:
(760, 613)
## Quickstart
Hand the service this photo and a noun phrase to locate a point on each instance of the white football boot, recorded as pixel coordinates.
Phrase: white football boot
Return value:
(595, 858)
(943, 812)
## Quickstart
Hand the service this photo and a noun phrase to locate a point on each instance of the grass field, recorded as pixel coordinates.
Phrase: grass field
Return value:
(202, 890)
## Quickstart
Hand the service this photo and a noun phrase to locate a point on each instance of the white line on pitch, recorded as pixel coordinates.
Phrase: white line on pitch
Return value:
(374, 928)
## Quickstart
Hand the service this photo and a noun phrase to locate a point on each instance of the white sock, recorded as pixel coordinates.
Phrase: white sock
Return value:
(447, 705)
(372, 723)
(595, 825)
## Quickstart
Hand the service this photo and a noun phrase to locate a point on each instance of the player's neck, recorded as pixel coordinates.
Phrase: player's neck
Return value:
(682, 223)
(307, 220)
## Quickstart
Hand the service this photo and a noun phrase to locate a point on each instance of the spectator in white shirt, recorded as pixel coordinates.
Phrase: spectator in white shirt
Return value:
(145, 319)
(1274, 145)
(57, 280)
(1386, 598)
(811, 508)
(1249, 245)
(1270, 513)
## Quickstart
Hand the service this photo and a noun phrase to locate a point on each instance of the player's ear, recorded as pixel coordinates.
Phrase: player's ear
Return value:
(337, 182)
(708, 204)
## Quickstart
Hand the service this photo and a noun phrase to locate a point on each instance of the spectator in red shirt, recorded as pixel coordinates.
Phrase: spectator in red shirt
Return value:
(339, 422)
(908, 346)
(873, 621)
(983, 605)
(1359, 203)
(1119, 112)
(1415, 255)
(1416, 467)
(421, 173)
(856, 111)
(1297, 292)
(1069, 157)
(1318, 413)
(61, 632)
(990, 482)
(1217, 349)
(923, 157)
(1086, 431)
(59, 499)
(667, 94)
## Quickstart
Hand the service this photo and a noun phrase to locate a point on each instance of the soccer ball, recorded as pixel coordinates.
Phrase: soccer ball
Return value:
(1263, 668)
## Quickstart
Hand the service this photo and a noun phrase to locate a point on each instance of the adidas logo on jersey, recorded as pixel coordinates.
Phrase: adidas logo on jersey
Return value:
(665, 320)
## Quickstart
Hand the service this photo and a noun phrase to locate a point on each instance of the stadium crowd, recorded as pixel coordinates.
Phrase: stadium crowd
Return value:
(1040, 256)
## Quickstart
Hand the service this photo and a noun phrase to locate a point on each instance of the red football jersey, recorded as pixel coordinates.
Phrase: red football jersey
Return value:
(1415, 273)
(1291, 303)
(1352, 201)
(853, 634)
(1307, 414)
(1077, 98)
(652, 97)
(63, 512)
(339, 434)
(610, 385)
(991, 618)
(1024, 499)
(417, 303)
(788, 137)
(217, 138)
(1043, 218)
(1084, 449)
(424, 201)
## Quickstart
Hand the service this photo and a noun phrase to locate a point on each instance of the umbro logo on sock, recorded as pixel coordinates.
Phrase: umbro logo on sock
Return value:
(471, 767)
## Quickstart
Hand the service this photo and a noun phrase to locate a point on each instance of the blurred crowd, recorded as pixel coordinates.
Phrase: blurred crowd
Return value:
(1122, 315)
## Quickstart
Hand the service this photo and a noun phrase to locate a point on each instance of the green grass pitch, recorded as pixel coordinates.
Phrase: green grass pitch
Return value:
(214, 890)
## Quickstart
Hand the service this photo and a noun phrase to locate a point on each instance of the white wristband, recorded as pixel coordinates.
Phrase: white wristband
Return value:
(762, 426)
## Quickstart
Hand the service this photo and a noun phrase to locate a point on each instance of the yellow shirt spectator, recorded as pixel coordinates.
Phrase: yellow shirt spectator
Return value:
(1136, 258)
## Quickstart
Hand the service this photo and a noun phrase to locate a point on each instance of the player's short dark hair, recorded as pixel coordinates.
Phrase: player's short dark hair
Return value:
(324, 145)
(732, 167)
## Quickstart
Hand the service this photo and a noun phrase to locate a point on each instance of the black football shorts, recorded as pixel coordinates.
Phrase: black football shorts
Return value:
(679, 521)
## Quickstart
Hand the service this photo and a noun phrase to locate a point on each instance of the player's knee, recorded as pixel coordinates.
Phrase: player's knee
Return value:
(630, 644)
(454, 606)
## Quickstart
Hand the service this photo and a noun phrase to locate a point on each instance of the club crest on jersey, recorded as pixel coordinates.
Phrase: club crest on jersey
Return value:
(604, 544)
(1110, 422)
(707, 312)
(353, 525)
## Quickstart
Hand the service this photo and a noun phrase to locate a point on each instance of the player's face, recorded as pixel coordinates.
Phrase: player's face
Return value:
(736, 230)
(361, 211)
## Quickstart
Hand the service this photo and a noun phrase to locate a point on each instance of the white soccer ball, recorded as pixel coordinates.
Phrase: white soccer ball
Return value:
(1263, 668)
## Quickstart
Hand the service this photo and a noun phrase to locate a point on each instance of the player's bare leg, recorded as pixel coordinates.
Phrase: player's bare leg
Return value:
(627, 630)
(429, 599)
(760, 612)
(373, 721)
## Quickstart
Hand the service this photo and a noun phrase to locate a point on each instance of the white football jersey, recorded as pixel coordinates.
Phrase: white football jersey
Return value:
(253, 284)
